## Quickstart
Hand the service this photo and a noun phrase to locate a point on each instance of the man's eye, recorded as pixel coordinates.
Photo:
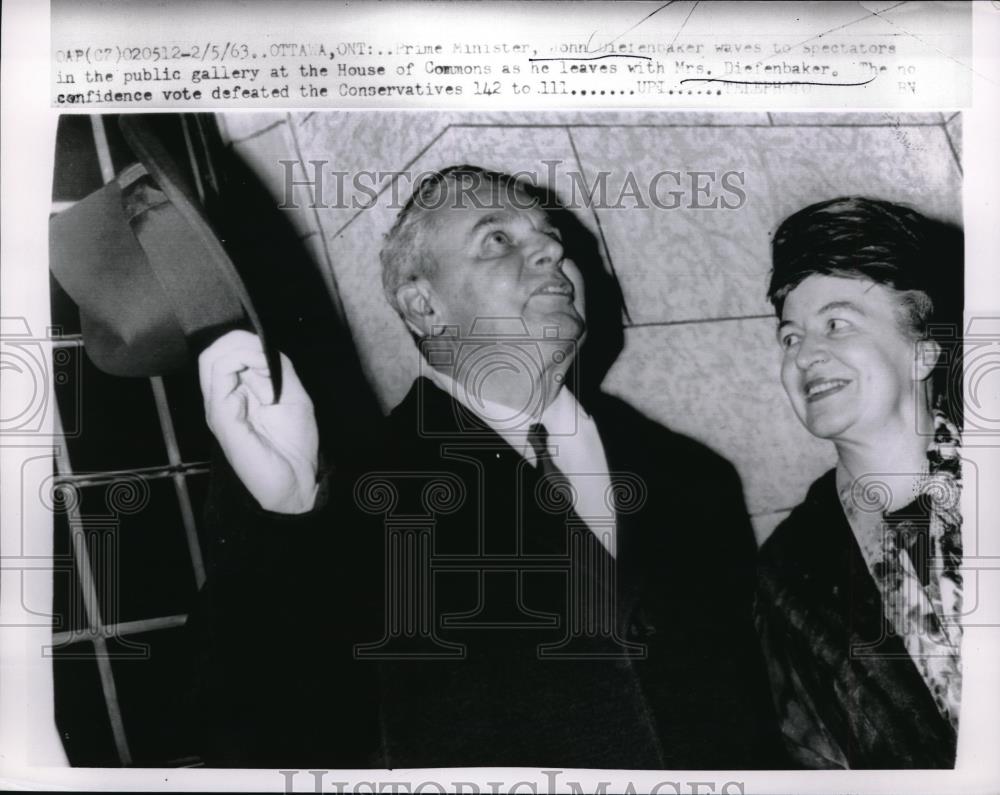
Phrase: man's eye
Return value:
(836, 324)
(789, 340)
(497, 238)
(554, 234)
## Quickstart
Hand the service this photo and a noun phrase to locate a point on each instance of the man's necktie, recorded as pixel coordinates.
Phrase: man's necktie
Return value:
(552, 493)
(591, 614)
(538, 438)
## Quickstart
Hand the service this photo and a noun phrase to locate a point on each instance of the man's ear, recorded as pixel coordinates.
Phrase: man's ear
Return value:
(928, 355)
(414, 299)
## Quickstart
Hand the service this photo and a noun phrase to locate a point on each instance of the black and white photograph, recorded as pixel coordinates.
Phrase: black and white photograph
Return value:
(500, 397)
(406, 440)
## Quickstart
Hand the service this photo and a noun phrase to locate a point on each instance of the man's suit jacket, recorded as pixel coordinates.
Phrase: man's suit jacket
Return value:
(314, 651)
(847, 692)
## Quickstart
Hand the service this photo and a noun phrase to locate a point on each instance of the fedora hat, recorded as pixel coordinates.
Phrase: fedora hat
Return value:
(153, 283)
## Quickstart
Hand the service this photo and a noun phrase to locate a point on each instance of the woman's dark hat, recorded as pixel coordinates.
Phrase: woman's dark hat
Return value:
(153, 282)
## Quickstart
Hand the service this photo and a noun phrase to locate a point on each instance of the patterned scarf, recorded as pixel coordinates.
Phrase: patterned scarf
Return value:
(915, 556)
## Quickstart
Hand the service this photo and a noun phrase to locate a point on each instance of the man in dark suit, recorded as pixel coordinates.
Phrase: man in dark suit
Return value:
(505, 576)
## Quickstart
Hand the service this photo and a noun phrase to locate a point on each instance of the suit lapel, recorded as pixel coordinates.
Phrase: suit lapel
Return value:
(625, 459)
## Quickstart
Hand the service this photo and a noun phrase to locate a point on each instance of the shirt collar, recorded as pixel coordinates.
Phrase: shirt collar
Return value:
(559, 417)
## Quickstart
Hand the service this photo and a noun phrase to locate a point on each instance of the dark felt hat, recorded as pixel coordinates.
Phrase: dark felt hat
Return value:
(150, 276)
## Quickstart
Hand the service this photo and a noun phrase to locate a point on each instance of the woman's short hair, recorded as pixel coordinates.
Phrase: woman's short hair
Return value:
(921, 259)
(860, 238)
(404, 254)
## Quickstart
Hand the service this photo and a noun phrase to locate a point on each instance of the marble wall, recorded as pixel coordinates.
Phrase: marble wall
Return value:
(700, 355)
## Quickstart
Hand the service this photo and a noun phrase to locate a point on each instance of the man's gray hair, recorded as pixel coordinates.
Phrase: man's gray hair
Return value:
(404, 255)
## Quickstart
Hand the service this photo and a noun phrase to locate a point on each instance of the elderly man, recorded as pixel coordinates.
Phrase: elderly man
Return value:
(505, 578)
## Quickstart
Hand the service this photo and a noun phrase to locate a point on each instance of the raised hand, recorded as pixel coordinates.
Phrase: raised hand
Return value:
(272, 447)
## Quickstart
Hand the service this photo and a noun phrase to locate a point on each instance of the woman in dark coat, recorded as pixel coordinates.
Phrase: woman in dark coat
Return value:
(860, 588)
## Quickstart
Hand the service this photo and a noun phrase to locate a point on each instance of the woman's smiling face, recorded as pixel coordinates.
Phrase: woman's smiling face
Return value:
(848, 366)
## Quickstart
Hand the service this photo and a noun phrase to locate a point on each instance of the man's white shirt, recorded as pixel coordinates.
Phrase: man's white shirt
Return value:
(573, 442)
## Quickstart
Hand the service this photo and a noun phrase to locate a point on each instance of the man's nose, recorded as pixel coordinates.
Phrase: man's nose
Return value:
(546, 252)
(812, 350)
